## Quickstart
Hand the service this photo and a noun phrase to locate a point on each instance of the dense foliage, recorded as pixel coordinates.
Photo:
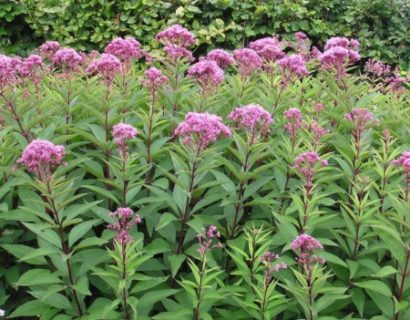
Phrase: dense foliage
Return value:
(263, 184)
(383, 27)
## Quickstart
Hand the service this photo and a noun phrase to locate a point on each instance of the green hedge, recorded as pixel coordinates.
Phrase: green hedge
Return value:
(383, 26)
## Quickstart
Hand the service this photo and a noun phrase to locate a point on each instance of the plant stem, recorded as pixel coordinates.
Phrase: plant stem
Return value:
(197, 311)
(65, 247)
(148, 178)
(404, 275)
(185, 215)
(23, 132)
(240, 194)
(124, 277)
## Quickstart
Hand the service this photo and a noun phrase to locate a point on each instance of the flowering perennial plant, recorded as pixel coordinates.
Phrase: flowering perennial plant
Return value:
(125, 49)
(67, 58)
(69, 244)
(199, 130)
(253, 118)
(247, 60)
(122, 133)
(42, 158)
(222, 58)
(107, 66)
(125, 219)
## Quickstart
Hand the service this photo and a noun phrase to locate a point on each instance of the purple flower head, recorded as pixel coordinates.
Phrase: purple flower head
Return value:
(122, 133)
(269, 49)
(294, 116)
(48, 48)
(302, 44)
(42, 157)
(339, 52)
(176, 52)
(293, 67)
(305, 164)
(403, 161)
(396, 83)
(301, 36)
(67, 58)
(126, 50)
(30, 66)
(343, 42)
(177, 35)
(247, 60)
(7, 71)
(377, 68)
(201, 129)
(107, 66)
(253, 118)
(125, 219)
(268, 258)
(208, 239)
(319, 107)
(154, 79)
(305, 247)
(207, 73)
(361, 118)
(221, 57)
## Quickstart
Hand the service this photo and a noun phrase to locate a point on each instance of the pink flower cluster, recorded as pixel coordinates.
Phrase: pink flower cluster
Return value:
(176, 52)
(178, 35)
(268, 258)
(154, 79)
(302, 44)
(7, 71)
(125, 49)
(207, 73)
(31, 68)
(403, 161)
(377, 68)
(253, 118)
(292, 67)
(107, 66)
(122, 133)
(305, 246)
(42, 157)
(200, 129)
(294, 116)
(319, 107)
(396, 83)
(247, 60)
(207, 238)
(269, 48)
(361, 119)
(176, 40)
(339, 52)
(125, 219)
(223, 58)
(318, 132)
(305, 164)
(67, 58)
(49, 48)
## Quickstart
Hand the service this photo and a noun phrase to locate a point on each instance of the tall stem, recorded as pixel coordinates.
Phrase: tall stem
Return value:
(124, 277)
(148, 177)
(241, 191)
(404, 276)
(310, 293)
(197, 310)
(185, 215)
(23, 132)
(65, 247)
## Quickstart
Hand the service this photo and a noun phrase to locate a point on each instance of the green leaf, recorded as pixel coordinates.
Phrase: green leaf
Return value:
(165, 219)
(375, 286)
(80, 230)
(37, 277)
